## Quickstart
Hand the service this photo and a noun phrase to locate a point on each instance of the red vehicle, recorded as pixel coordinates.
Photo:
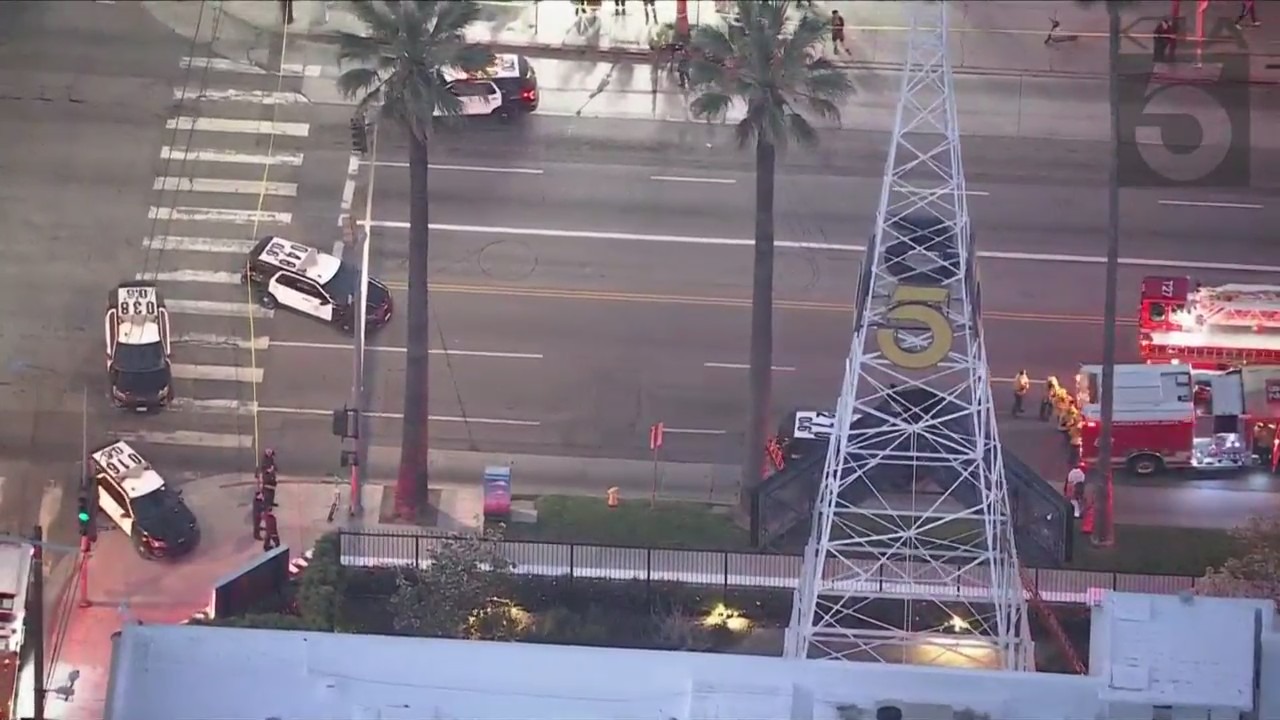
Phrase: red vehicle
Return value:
(1175, 417)
(1222, 327)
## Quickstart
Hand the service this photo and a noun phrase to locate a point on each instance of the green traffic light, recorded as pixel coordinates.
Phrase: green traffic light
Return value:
(84, 516)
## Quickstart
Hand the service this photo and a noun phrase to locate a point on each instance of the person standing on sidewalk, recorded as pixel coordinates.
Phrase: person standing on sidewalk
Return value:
(270, 531)
(1074, 489)
(1163, 41)
(1248, 9)
(837, 33)
(259, 508)
(1046, 402)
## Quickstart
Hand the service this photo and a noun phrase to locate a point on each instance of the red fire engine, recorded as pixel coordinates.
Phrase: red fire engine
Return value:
(1220, 327)
(1171, 416)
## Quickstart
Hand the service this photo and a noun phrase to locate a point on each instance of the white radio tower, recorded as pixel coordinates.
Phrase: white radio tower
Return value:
(911, 558)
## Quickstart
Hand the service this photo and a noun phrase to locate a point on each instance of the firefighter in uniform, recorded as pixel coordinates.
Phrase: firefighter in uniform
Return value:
(270, 531)
(1021, 384)
(1074, 441)
(1046, 402)
(1070, 416)
(1074, 489)
(259, 507)
(1061, 399)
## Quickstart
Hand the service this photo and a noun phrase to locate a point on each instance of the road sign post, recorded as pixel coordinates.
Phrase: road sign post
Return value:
(655, 443)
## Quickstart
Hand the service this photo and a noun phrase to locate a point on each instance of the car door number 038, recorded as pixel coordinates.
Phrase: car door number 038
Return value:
(283, 256)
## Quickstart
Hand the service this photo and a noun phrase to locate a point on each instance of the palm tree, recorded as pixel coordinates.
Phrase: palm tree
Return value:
(396, 74)
(771, 69)
(1104, 525)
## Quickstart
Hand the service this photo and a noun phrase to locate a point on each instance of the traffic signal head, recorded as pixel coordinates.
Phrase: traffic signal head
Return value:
(84, 516)
(359, 136)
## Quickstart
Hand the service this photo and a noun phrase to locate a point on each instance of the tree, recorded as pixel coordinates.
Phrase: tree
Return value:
(457, 592)
(322, 588)
(397, 75)
(1255, 571)
(770, 68)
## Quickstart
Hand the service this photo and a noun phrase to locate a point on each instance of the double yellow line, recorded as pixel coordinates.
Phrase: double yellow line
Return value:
(664, 299)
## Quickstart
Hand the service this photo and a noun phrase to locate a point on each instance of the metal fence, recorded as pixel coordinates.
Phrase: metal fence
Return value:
(732, 569)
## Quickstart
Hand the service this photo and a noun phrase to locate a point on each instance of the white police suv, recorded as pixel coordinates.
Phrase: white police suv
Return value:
(135, 497)
(136, 330)
(286, 274)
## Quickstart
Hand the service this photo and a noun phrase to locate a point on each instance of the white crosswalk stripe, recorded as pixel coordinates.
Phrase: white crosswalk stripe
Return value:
(231, 123)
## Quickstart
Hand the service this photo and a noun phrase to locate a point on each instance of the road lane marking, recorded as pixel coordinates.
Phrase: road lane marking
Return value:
(211, 340)
(185, 154)
(349, 186)
(249, 127)
(188, 437)
(384, 348)
(221, 407)
(1198, 203)
(690, 240)
(682, 179)
(398, 416)
(50, 503)
(692, 431)
(169, 243)
(740, 366)
(482, 169)
(216, 308)
(220, 373)
(300, 70)
(214, 277)
(567, 294)
(220, 185)
(259, 97)
(222, 215)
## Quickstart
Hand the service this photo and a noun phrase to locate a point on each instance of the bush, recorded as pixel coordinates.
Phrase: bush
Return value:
(322, 588)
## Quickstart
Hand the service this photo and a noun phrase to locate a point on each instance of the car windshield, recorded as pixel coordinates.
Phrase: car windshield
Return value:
(152, 509)
(139, 358)
(343, 284)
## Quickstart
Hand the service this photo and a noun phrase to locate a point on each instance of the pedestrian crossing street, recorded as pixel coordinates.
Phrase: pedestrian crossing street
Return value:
(228, 174)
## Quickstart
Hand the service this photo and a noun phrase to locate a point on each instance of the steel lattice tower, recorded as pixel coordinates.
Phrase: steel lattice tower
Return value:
(911, 556)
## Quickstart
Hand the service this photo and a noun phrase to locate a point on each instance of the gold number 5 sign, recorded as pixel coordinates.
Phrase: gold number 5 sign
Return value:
(919, 308)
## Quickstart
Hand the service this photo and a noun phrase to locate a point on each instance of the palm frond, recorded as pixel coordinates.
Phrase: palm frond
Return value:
(762, 63)
(398, 63)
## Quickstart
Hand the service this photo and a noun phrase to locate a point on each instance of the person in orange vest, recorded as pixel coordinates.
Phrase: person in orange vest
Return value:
(1061, 400)
(1021, 384)
(1046, 403)
(611, 496)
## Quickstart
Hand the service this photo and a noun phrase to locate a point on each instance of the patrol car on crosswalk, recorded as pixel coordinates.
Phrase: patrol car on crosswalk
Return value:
(138, 501)
(136, 329)
(286, 274)
(507, 88)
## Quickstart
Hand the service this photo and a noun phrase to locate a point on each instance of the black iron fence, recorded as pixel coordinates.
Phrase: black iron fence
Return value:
(713, 568)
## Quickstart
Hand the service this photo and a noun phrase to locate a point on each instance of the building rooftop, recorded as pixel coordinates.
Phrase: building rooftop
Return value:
(192, 672)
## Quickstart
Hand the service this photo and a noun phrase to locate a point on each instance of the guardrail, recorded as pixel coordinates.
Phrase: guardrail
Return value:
(734, 569)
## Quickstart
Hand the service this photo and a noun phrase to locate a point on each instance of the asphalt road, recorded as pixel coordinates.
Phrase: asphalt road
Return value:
(80, 109)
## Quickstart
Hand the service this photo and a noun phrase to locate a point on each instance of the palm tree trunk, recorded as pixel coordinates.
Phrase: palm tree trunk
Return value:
(761, 360)
(411, 481)
(1104, 525)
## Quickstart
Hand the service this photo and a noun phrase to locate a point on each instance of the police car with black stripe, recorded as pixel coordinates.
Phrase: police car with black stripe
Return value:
(138, 501)
(286, 274)
(136, 330)
(508, 88)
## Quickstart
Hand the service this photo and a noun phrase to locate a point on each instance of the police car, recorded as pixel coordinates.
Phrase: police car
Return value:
(507, 88)
(137, 500)
(286, 274)
(136, 329)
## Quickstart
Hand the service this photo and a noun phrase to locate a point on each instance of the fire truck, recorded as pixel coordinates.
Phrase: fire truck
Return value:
(1178, 417)
(16, 566)
(1222, 327)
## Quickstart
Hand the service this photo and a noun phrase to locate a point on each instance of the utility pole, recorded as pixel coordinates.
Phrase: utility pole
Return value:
(36, 607)
(360, 303)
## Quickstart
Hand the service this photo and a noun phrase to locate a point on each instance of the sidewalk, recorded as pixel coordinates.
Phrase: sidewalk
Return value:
(1006, 38)
(125, 588)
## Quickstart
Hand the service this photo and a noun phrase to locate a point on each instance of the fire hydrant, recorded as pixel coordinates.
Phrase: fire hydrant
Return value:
(612, 497)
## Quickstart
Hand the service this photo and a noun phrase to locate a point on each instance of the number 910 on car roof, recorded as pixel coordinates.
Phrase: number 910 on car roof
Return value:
(119, 460)
(288, 254)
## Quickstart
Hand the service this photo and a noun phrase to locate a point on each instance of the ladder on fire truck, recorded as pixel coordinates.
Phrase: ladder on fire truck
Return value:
(1239, 305)
(1055, 628)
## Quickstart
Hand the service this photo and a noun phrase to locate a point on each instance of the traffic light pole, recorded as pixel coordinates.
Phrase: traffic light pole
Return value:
(361, 331)
(37, 621)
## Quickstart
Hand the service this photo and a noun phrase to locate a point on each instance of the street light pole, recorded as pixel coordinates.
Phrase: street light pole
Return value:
(361, 330)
